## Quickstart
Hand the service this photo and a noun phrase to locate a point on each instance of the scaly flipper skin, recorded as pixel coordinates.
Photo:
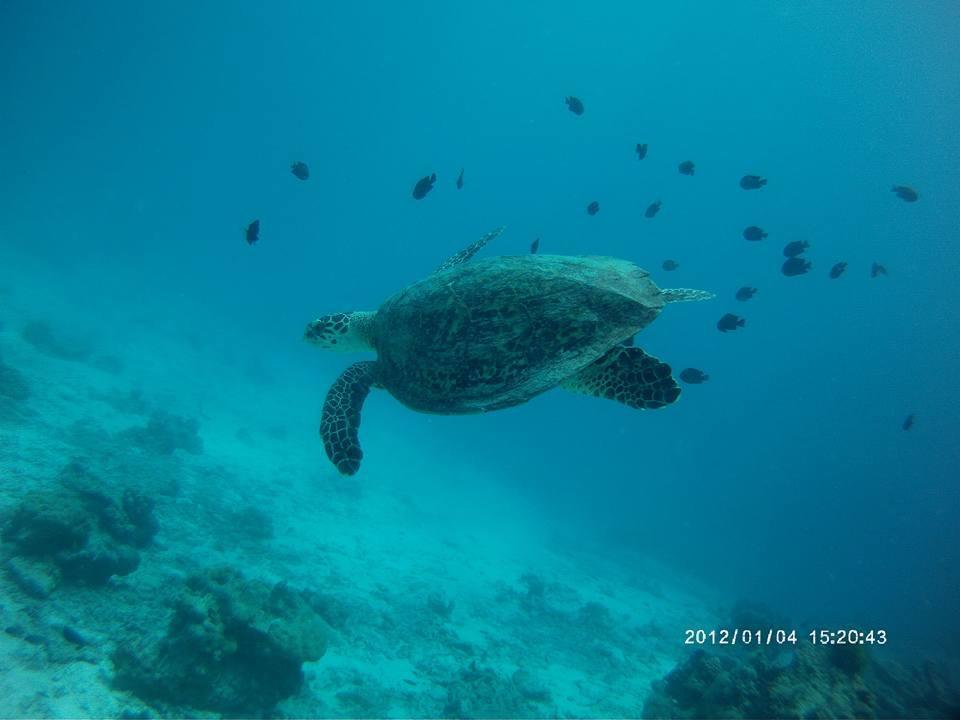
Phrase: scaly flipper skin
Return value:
(469, 252)
(627, 375)
(340, 423)
(672, 295)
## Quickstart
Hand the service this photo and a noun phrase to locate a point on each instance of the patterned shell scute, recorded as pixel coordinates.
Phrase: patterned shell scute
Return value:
(494, 333)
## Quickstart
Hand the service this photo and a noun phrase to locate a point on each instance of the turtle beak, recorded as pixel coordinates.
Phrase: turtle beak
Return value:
(314, 332)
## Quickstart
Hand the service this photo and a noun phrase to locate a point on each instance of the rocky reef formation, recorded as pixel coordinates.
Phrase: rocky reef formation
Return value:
(812, 682)
(44, 338)
(80, 532)
(233, 646)
(165, 433)
(481, 692)
(14, 390)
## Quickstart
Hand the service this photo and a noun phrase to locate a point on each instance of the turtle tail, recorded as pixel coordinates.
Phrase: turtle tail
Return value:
(340, 422)
(672, 295)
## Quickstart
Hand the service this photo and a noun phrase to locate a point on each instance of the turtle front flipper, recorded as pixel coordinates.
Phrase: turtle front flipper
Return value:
(470, 251)
(340, 422)
(627, 375)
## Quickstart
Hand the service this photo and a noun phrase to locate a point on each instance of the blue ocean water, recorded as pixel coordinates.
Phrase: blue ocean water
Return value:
(140, 139)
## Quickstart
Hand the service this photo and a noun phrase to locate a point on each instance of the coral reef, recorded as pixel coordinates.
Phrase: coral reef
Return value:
(440, 605)
(45, 339)
(535, 597)
(481, 692)
(47, 523)
(165, 433)
(233, 646)
(78, 533)
(818, 682)
(752, 614)
(251, 523)
(14, 390)
(110, 364)
(125, 515)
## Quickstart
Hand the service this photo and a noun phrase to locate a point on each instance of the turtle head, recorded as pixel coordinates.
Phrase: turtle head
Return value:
(343, 332)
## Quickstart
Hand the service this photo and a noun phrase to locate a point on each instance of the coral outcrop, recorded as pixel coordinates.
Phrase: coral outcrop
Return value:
(233, 646)
(44, 338)
(14, 390)
(818, 682)
(78, 533)
(165, 433)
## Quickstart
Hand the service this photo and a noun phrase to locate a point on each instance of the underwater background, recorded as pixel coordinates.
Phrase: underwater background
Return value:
(174, 539)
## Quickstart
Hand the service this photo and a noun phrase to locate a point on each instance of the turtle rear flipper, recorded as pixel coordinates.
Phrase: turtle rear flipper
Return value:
(340, 422)
(469, 251)
(672, 295)
(627, 375)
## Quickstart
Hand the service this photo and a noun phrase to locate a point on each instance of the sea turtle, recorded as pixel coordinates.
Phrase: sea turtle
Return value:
(490, 334)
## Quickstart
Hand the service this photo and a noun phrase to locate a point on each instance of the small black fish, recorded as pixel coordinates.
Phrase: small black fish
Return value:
(686, 167)
(694, 376)
(837, 270)
(460, 180)
(423, 186)
(795, 266)
(534, 246)
(877, 269)
(906, 193)
(752, 182)
(575, 105)
(908, 422)
(653, 209)
(670, 265)
(300, 170)
(641, 151)
(593, 208)
(730, 322)
(253, 232)
(754, 233)
(797, 247)
(745, 293)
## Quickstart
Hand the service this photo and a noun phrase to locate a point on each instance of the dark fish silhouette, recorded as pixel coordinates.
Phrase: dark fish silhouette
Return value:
(593, 208)
(253, 232)
(670, 265)
(908, 422)
(797, 247)
(653, 209)
(795, 266)
(575, 105)
(300, 170)
(686, 167)
(752, 182)
(423, 186)
(460, 180)
(730, 322)
(745, 293)
(641, 151)
(877, 269)
(837, 270)
(693, 376)
(906, 193)
(754, 233)
(534, 246)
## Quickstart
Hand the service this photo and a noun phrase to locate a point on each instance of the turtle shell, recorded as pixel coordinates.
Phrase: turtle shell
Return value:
(494, 333)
